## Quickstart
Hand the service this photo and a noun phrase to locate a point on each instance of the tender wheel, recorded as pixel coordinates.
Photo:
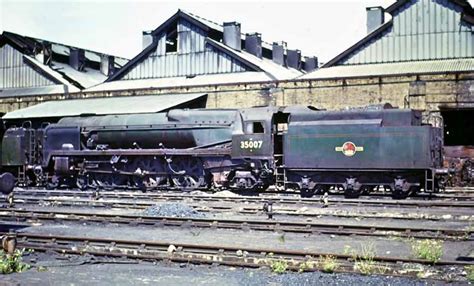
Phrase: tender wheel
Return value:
(401, 189)
(351, 193)
(321, 189)
(306, 193)
(399, 195)
(365, 190)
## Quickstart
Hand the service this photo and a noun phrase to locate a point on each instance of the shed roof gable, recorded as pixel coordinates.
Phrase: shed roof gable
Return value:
(418, 30)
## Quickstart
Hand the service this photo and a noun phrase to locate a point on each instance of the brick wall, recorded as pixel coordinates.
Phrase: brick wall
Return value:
(425, 92)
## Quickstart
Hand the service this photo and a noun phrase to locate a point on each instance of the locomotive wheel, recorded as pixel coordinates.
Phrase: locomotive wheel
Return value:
(82, 182)
(101, 180)
(194, 175)
(153, 177)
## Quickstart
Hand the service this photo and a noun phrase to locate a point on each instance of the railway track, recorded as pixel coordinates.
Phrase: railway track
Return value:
(233, 207)
(249, 199)
(208, 254)
(56, 216)
(459, 194)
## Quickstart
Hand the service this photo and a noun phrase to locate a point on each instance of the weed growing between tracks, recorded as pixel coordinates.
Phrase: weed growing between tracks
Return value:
(428, 249)
(470, 273)
(10, 263)
(328, 263)
(364, 260)
(279, 266)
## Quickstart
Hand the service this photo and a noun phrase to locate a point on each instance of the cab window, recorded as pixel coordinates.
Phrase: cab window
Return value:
(254, 128)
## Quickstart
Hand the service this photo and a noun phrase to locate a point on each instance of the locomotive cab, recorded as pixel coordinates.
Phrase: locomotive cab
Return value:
(255, 140)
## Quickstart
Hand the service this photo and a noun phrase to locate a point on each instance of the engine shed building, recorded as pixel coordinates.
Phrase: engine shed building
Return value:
(416, 54)
(36, 67)
(187, 50)
(422, 42)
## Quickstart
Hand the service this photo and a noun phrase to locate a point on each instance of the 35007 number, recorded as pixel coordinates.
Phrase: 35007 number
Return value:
(251, 144)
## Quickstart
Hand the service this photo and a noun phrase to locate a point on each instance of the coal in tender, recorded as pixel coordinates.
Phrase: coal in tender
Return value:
(172, 210)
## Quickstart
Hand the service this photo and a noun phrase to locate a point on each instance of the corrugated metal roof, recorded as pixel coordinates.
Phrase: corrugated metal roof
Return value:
(219, 27)
(170, 82)
(49, 71)
(193, 57)
(274, 70)
(35, 91)
(87, 77)
(102, 106)
(419, 30)
(417, 67)
(58, 71)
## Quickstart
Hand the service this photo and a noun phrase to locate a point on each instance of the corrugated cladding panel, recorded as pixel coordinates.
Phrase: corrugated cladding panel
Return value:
(191, 38)
(210, 61)
(421, 30)
(14, 73)
(193, 58)
(401, 68)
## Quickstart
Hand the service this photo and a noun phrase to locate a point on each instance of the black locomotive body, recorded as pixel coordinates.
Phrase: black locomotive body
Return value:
(249, 149)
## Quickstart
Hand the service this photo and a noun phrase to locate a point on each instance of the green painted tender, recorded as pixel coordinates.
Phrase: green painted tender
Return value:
(359, 150)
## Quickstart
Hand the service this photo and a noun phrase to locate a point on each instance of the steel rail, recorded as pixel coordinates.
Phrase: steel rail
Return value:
(258, 225)
(204, 254)
(251, 199)
(230, 207)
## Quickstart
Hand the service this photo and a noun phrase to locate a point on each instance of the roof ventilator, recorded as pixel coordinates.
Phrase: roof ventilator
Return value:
(310, 64)
(107, 65)
(147, 39)
(253, 44)
(47, 53)
(77, 59)
(278, 53)
(232, 35)
(375, 18)
(294, 59)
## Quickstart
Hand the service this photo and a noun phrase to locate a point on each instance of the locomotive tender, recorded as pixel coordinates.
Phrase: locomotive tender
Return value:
(298, 147)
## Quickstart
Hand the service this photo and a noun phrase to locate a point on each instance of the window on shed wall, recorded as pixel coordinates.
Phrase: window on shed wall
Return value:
(172, 39)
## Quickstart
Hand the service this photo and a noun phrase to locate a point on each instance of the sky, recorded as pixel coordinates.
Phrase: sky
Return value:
(321, 28)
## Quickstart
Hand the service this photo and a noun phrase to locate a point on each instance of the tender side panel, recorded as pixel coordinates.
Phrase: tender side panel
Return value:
(366, 146)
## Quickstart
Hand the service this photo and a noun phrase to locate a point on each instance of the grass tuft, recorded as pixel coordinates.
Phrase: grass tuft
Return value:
(12, 263)
(279, 266)
(328, 263)
(470, 273)
(428, 249)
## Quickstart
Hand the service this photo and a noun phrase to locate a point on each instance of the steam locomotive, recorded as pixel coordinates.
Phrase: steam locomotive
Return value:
(299, 148)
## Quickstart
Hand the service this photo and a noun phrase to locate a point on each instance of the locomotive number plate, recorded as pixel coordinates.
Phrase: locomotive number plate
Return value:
(250, 144)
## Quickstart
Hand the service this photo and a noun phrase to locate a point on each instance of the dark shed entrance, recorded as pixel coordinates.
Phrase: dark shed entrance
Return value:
(458, 127)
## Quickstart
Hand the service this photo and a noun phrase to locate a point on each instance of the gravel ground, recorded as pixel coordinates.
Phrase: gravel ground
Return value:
(391, 247)
(85, 270)
(88, 271)
(172, 210)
